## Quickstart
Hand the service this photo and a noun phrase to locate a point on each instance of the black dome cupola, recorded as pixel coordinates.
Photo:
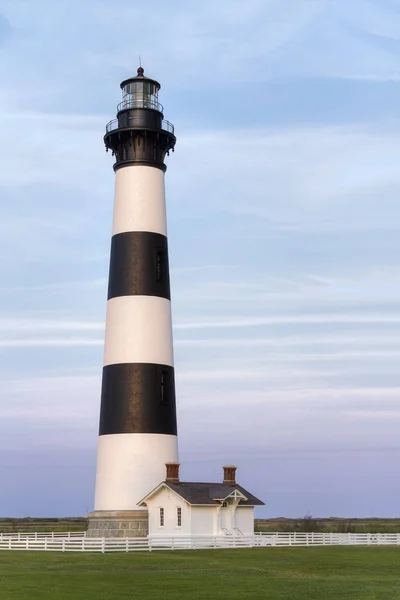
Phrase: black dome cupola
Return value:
(140, 134)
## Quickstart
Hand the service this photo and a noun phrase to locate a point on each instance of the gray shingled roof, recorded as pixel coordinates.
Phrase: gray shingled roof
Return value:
(210, 493)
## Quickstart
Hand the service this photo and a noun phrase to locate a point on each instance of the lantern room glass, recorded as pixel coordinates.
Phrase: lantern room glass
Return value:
(140, 94)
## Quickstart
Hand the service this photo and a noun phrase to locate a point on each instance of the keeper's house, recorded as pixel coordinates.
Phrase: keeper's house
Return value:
(190, 508)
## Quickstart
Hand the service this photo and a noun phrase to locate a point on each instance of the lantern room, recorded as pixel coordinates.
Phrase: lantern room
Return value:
(140, 92)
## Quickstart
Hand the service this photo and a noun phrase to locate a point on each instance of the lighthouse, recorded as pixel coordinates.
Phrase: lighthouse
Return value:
(138, 429)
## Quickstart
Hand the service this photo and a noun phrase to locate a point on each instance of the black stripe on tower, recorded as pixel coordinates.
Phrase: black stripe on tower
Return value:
(138, 398)
(139, 265)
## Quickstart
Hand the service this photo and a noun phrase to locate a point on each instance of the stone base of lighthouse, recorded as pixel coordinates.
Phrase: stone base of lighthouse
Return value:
(114, 523)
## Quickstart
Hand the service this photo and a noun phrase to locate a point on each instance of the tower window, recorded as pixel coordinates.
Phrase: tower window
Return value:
(179, 516)
(161, 517)
(163, 388)
(159, 265)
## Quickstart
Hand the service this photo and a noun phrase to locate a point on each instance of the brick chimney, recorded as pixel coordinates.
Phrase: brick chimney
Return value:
(230, 475)
(172, 475)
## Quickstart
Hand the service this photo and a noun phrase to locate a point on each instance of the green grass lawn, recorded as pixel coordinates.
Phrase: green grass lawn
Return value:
(285, 573)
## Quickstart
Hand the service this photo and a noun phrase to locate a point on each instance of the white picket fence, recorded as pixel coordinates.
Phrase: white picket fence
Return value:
(78, 542)
(40, 535)
(328, 539)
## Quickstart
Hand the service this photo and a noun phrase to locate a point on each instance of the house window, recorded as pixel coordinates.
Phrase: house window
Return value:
(179, 516)
(161, 517)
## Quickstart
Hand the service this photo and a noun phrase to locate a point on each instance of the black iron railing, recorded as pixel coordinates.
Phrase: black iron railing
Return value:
(112, 125)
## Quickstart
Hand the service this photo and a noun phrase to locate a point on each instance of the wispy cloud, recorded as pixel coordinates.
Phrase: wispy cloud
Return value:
(50, 342)
(43, 325)
(290, 319)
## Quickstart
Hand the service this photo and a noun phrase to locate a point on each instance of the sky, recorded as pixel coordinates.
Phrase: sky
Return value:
(283, 225)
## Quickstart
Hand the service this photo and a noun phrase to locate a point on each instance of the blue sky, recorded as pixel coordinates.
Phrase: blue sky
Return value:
(283, 220)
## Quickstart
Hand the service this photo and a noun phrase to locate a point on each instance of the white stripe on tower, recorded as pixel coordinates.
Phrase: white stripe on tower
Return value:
(138, 432)
(138, 329)
(139, 200)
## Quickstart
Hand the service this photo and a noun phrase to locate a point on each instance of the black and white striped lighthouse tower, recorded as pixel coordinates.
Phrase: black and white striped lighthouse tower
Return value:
(138, 431)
